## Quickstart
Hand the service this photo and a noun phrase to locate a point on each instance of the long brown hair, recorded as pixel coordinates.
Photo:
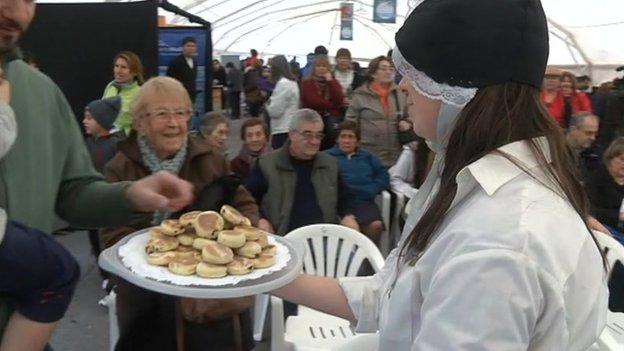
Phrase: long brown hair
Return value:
(280, 68)
(423, 159)
(499, 115)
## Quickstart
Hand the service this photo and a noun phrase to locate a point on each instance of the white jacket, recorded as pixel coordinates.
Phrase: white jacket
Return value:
(402, 173)
(512, 267)
(282, 105)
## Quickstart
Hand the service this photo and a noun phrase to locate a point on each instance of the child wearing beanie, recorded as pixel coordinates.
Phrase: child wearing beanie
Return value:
(98, 122)
(101, 141)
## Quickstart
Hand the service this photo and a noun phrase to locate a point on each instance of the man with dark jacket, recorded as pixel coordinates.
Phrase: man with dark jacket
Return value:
(298, 186)
(235, 86)
(612, 125)
(184, 66)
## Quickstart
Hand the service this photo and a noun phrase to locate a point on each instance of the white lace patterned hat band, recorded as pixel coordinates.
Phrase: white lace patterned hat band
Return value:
(456, 96)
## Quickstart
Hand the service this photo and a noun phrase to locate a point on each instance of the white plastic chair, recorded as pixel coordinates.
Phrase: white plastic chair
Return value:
(395, 225)
(386, 244)
(612, 337)
(361, 342)
(331, 251)
(383, 200)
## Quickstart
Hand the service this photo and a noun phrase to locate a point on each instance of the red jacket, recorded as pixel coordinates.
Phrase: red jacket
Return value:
(580, 102)
(311, 98)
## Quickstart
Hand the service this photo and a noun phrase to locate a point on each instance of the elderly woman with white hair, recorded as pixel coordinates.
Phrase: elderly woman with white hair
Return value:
(215, 129)
(495, 254)
(161, 114)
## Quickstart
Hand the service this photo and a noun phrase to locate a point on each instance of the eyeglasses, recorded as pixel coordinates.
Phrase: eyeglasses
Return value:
(163, 115)
(309, 136)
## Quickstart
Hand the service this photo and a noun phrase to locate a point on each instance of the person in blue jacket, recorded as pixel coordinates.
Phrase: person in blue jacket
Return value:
(365, 176)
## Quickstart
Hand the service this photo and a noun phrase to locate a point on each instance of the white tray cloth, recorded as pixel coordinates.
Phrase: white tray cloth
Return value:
(133, 256)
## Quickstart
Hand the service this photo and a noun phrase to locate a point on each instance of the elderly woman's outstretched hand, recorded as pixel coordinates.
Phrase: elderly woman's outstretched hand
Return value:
(159, 191)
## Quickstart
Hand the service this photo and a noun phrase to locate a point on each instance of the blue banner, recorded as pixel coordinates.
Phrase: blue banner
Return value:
(170, 46)
(346, 21)
(384, 11)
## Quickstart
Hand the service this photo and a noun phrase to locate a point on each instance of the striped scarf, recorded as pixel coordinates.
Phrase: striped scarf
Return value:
(155, 164)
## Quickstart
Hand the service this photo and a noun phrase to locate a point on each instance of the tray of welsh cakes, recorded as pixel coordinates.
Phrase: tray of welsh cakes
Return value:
(205, 254)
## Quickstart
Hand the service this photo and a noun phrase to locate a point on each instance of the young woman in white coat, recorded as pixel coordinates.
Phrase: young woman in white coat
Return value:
(283, 102)
(495, 254)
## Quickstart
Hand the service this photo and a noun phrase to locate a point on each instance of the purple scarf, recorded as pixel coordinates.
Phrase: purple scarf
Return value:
(265, 84)
(250, 157)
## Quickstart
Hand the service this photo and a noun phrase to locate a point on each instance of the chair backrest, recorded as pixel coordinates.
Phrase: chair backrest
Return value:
(334, 250)
(612, 249)
(612, 337)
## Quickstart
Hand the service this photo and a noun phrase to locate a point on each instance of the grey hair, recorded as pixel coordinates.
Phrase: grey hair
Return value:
(304, 115)
(579, 118)
(211, 122)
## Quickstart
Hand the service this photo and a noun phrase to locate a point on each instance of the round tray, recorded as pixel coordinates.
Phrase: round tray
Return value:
(109, 260)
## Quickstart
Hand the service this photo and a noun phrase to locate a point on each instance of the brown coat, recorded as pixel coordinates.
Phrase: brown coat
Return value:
(202, 166)
(379, 133)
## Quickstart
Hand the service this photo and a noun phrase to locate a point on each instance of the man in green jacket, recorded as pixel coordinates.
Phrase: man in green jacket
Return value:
(48, 172)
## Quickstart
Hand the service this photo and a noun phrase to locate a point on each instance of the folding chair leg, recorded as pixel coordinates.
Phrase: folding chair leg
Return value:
(110, 301)
(260, 310)
(179, 323)
(278, 342)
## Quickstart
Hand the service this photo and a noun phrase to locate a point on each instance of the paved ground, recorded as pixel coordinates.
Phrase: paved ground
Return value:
(86, 323)
(85, 327)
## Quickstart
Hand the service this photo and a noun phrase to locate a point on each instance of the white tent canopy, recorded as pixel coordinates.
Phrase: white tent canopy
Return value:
(586, 36)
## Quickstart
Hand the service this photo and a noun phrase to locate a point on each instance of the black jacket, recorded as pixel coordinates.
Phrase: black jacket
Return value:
(612, 125)
(219, 75)
(358, 80)
(605, 197)
(179, 69)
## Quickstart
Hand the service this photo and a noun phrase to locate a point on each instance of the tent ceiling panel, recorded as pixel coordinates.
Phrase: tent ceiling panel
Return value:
(586, 34)
(578, 17)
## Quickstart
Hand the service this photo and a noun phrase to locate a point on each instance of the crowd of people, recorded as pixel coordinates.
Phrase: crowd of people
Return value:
(365, 148)
(320, 143)
(373, 101)
(595, 140)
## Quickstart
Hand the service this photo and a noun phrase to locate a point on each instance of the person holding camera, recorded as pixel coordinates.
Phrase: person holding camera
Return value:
(378, 108)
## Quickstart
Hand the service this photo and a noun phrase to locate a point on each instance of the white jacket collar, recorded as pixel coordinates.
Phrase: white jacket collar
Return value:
(490, 172)
(494, 170)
